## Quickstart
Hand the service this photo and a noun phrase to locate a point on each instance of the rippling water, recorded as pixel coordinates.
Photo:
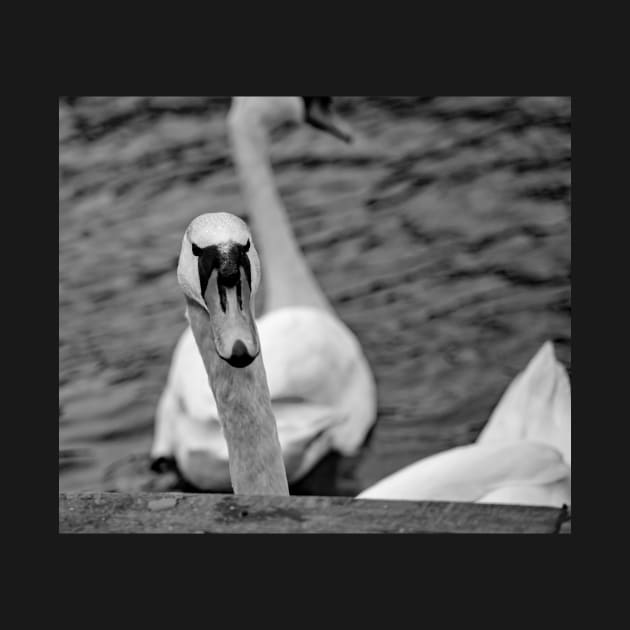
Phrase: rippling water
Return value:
(442, 237)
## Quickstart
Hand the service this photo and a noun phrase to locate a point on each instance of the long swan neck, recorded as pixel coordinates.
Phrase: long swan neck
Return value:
(244, 406)
(288, 279)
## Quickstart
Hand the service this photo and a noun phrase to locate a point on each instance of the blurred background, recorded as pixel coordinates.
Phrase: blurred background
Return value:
(442, 237)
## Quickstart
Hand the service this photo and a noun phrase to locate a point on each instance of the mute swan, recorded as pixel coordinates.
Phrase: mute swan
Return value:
(219, 272)
(322, 390)
(522, 456)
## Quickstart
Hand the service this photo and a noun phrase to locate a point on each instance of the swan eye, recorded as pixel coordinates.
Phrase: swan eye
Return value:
(197, 251)
(246, 247)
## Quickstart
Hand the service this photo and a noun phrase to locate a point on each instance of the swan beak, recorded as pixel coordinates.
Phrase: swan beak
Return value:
(234, 331)
(319, 114)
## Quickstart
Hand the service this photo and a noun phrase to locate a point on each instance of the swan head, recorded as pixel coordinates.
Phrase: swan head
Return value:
(273, 111)
(219, 270)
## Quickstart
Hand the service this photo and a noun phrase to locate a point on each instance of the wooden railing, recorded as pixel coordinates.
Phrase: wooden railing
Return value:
(113, 512)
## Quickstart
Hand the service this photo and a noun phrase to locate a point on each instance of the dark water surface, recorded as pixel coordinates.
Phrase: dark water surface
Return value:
(442, 237)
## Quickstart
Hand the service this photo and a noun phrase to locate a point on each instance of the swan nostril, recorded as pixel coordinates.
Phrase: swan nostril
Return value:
(240, 356)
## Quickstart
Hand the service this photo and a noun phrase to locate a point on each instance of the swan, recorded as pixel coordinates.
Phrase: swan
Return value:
(219, 273)
(321, 387)
(522, 455)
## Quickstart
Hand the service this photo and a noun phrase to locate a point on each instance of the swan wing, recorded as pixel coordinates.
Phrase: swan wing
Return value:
(473, 472)
(202, 453)
(186, 398)
(311, 355)
(536, 406)
(188, 379)
(305, 434)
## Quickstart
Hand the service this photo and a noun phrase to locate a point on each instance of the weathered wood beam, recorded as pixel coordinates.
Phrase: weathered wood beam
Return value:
(225, 513)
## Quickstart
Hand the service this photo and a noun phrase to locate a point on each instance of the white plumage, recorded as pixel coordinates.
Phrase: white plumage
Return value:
(522, 456)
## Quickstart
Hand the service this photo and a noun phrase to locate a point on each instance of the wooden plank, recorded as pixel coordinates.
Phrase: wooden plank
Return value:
(220, 513)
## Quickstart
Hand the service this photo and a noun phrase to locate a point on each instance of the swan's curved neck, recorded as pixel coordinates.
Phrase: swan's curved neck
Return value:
(288, 279)
(249, 426)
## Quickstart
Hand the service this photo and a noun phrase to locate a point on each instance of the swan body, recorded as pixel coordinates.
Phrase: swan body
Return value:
(322, 395)
(522, 456)
(321, 387)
